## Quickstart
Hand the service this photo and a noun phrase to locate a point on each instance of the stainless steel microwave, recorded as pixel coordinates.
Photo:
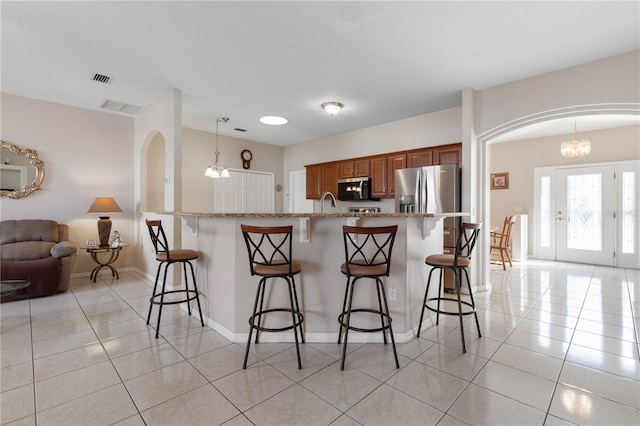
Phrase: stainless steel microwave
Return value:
(355, 189)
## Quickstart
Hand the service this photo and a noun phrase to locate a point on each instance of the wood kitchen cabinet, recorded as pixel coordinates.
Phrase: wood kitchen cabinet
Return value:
(381, 168)
(313, 181)
(448, 154)
(354, 168)
(394, 162)
(330, 173)
(420, 158)
(379, 176)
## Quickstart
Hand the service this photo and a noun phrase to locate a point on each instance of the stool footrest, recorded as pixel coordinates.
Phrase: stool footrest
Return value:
(190, 295)
(298, 315)
(365, 330)
(447, 299)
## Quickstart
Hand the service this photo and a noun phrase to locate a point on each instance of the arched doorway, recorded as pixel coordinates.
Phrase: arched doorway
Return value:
(518, 126)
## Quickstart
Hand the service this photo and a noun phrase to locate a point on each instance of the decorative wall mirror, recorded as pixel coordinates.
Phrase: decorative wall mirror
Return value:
(21, 172)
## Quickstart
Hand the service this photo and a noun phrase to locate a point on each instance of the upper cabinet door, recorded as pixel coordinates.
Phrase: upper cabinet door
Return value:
(420, 158)
(448, 154)
(354, 168)
(314, 181)
(330, 173)
(394, 162)
(379, 176)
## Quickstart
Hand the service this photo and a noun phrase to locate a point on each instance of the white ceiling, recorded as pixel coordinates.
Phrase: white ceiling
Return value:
(383, 60)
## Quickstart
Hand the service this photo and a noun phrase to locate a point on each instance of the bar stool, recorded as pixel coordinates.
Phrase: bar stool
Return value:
(457, 263)
(168, 257)
(269, 250)
(367, 255)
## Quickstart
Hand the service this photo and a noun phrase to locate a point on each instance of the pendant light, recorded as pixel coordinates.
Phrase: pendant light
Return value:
(216, 170)
(575, 147)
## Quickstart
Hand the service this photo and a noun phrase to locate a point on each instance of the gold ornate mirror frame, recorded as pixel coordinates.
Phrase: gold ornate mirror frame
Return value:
(32, 157)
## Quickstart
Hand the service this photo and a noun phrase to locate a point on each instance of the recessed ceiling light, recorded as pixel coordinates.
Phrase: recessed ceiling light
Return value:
(273, 120)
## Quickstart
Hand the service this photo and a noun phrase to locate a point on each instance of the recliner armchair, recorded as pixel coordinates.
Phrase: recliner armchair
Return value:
(38, 251)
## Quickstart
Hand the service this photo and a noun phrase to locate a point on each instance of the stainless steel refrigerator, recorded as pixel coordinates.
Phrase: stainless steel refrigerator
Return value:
(432, 189)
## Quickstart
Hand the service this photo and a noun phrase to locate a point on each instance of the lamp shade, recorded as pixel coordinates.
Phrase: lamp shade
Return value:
(104, 205)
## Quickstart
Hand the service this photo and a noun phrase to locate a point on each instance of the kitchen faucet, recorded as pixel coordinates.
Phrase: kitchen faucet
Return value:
(324, 195)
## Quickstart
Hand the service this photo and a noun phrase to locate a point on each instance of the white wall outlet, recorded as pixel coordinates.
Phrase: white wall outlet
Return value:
(393, 293)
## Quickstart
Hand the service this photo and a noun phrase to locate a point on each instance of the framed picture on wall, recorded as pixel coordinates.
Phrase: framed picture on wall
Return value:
(500, 181)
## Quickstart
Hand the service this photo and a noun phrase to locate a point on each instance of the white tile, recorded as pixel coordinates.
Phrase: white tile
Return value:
(74, 384)
(16, 404)
(611, 363)
(70, 360)
(583, 408)
(146, 360)
(452, 361)
(387, 406)
(480, 406)
(204, 405)
(516, 384)
(532, 362)
(342, 389)
(610, 386)
(247, 388)
(16, 375)
(434, 387)
(105, 406)
(162, 385)
(279, 409)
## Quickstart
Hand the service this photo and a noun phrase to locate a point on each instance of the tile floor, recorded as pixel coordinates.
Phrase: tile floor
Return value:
(559, 347)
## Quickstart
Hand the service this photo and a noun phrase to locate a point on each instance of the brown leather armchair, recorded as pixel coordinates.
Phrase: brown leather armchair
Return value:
(38, 251)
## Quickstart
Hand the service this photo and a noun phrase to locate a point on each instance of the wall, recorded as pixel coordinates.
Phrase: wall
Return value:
(86, 154)
(519, 158)
(198, 151)
(612, 81)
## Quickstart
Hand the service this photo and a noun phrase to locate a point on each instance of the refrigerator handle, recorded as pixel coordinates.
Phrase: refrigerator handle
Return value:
(418, 194)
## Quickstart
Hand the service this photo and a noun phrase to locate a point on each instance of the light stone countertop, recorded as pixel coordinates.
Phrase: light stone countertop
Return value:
(316, 215)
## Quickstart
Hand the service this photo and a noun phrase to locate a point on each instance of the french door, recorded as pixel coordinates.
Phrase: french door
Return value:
(587, 214)
(585, 223)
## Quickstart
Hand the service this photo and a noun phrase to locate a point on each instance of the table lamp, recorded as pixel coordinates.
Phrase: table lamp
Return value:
(104, 206)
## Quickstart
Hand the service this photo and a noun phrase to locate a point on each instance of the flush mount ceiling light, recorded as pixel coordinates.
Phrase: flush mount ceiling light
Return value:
(216, 170)
(576, 147)
(273, 120)
(332, 107)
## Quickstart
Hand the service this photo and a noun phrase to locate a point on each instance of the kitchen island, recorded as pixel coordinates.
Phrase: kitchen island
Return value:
(228, 290)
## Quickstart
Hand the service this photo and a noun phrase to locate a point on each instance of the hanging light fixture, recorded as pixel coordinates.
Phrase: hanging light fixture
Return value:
(575, 147)
(217, 170)
(332, 107)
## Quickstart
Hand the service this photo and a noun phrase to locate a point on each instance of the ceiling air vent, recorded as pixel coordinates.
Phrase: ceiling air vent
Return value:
(121, 107)
(101, 78)
(240, 130)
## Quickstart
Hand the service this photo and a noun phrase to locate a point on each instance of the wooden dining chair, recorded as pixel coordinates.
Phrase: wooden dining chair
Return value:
(501, 241)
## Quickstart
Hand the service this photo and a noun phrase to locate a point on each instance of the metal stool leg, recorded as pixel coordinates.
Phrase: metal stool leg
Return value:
(195, 287)
(293, 318)
(473, 303)
(262, 285)
(155, 286)
(386, 306)
(378, 285)
(295, 298)
(164, 282)
(424, 303)
(346, 329)
(186, 285)
(255, 309)
(344, 306)
(458, 274)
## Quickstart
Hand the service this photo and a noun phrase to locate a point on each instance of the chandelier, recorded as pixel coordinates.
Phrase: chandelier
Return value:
(216, 170)
(576, 147)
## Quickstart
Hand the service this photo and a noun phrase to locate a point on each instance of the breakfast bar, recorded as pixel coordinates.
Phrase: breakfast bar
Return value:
(228, 289)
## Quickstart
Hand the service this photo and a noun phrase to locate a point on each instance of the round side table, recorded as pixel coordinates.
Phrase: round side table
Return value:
(113, 253)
